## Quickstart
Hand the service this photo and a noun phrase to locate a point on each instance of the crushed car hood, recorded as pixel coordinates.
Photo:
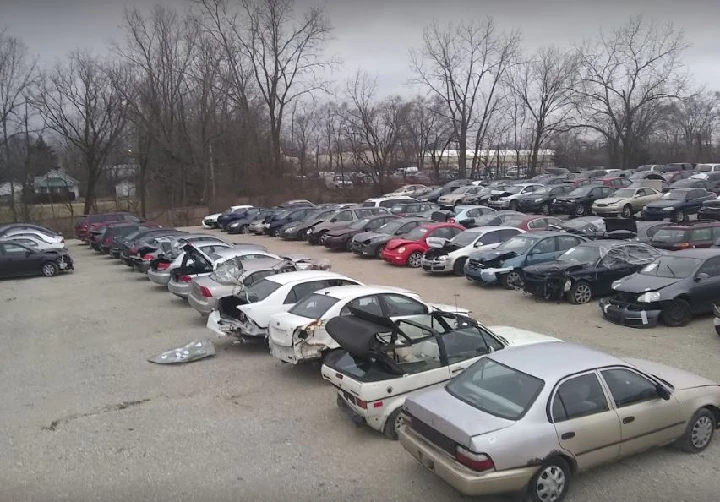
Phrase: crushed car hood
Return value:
(396, 243)
(637, 283)
(446, 249)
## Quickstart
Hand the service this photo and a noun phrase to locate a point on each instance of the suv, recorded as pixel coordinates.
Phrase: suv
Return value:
(697, 234)
(84, 224)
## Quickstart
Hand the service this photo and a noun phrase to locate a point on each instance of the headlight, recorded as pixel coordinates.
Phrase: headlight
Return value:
(649, 297)
(310, 230)
(668, 209)
(554, 201)
(539, 200)
(568, 283)
(443, 257)
(290, 229)
(401, 249)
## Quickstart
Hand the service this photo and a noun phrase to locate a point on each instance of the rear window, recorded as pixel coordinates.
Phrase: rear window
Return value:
(669, 236)
(313, 306)
(260, 290)
(496, 389)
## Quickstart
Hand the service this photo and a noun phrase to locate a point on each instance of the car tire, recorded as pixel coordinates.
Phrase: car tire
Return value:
(513, 205)
(414, 260)
(243, 229)
(699, 432)
(50, 269)
(680, 217)
(459, 267)
(676, 313)
(392, 424)
(545, 209)
(551, 481)
(579, 211)
(627, 211)
(379, 251)
(512, 280)
(580, 293)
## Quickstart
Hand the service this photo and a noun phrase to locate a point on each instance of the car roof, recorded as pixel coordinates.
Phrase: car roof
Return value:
(408, 219)
(342, 292)
(703, 253)
(693, 224)
(547, 233)
(606, 243)
(551, 361)
(491, 228)
(303, 275)
(261, 264)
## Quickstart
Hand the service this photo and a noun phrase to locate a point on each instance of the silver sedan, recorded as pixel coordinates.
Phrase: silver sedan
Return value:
(527, 419)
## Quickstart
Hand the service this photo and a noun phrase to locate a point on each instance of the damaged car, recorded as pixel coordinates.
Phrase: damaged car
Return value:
(587, 271)
(299, 335)
(382, 361)
(373, 243)
(408, 250)
(341, 238)
(449, 256)
(671, 290)
(247, 314)
(503, 265)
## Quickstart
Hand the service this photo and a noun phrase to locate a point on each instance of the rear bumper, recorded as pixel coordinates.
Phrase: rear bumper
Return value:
(459, 477)
(630, 315)
(202, 304)
(181, 289)
(159, 277)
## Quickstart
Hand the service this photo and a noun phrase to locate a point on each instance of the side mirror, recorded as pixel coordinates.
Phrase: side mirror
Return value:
(663, 392)
(701, 276)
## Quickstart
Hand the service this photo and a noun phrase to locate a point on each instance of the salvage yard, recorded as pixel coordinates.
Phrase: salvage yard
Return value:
(85, 416)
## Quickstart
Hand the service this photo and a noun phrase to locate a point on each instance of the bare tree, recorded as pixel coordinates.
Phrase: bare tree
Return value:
(429, 130)
(625, 79)
(698, 117)
(303, 133)
(464, 65)
(80, 103)
(544, 85)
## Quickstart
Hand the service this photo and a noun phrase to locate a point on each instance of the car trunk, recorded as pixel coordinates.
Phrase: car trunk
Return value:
(284, 327)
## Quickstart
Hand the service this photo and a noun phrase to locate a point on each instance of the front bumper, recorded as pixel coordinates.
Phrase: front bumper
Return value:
(607, 210)
(394, 258)
(159, 277)
(334, 242)
(208, 223)
(435, 265)
(486, 275)
(202, 304)
(633, 315)
(361, 249)
(461, 478)
(181, 289)
(499, 204)
(563, 207)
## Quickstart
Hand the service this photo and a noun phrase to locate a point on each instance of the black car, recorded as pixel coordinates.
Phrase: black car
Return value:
(17, 260)
(677, 204)
(671, 290)
(587, 270)
(373, 243)
(579, 202)
(540, 201)
(710, 210)
(299, 229)
(244, 214)
(341, 238)
(504, 217)
(239, 224)
(130, 246)
(412, 208)
(293, 215)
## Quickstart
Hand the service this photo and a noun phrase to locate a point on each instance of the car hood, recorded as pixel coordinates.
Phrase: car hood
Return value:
(453, 196)
(664, 203)
(638, 283)
(610, 201)
(678, 378)
(451, 417)
(555, 267)
(396, 243)
(516, 336)
(493, 255)
(338, 232)
(327, 225)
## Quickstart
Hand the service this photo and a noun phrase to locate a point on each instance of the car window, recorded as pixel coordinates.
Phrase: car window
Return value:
(11, 248)
(545, 246)
(370, 304)
(567, 241)
(508, 233)
(716, 232)
(628, 387)
(538, 223)
(488, 238)
(256, 276)
(472, 213)
(421, 356)
(400, 305)
(445, 232)
(711, 267)
(344, 216)
(702, 234)
(468, 342)
(577, 397)
(301, 290)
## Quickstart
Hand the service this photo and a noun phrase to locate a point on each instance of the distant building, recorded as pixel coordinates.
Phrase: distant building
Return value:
(491, 158)
(6, 191)
(125, 189)
(57, 182)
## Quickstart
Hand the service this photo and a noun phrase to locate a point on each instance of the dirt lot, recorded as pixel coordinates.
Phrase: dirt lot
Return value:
(84, 416)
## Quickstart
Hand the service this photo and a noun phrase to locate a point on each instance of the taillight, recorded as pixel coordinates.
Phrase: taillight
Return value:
(185, 278)
(378, 404)
(205, 291)
(163, 265)
(148, 257)
(133, 250)
(361, 404)
(475, 461)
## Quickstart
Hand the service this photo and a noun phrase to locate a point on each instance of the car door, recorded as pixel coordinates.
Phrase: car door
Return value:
(544, 250)
(705, 288)
(586, 425)
(21, 261)
(646, 419)
(464, 346)
(701, 237)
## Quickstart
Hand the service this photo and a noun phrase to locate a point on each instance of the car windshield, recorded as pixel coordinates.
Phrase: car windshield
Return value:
(675, 195)
(416, 233)
(260, 290)
(672, 267)
(542, 190)
(359, 224)
(581, 254)
(464, 238)
(313, 306)
(462, 189)
(496, 389)
(391, 227)
(704, 168)
(519, 244)
(624, 193)
(580, 192)
(514, 189)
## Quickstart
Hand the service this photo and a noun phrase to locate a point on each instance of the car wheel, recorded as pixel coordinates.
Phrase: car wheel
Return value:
(580, 293)
(459, 267)
(546, 209)
(243, 229)
(414, 260)
(551, 482)
(50, 269)
(512, 280)
(680, 217)
(392, 424)
(513, 205)
(676, 313)
(580, 210)
(627, 211)
(699, 432)
(379, 251)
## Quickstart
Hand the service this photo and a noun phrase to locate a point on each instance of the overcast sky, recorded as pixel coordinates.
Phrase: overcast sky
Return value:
(377, 34)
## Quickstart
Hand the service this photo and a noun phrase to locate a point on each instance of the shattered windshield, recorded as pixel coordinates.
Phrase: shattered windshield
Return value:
(313, 306)
(672, 267)
(228, 272)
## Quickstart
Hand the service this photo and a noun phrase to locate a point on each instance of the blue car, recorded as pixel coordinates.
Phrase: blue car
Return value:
(504, 264)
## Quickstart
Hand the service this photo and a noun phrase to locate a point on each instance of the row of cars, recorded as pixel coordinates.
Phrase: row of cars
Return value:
(27, 250)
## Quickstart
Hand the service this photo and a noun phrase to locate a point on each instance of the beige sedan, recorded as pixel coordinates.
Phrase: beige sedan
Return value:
(527, 419)
(625, 201)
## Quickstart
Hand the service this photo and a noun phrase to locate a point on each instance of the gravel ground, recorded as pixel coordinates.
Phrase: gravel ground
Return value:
(86, 417)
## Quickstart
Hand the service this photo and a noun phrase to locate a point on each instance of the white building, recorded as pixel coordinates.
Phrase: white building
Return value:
(58, 182)
(125, 189)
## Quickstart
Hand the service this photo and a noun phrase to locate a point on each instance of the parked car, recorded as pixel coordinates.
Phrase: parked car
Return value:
(275, 225)
(121, 244)
(14, 228)
(672, 289)
(707, 168)
(710, 210)
(248, 314)
(373, 243)
(694, 234)
(340, 182)
(613, 181)
(625, 202)
(42, 235)
(343, 218)
(526, 419)
(412, 208)
(34, 242)
(504, 217)
(387, 201)
(257, 226)
(587, 270)
(415, 190)
(341, 238)
(299, 335)
(534, 223)
(113, 232)
(297, 230)
(579, 202)
(450, 200)
(17, 260)
(130, 246)
(449, 256)
(383, 360)
(84, 223)
(540, 200)
(295, 204)
(243, 215)
(241, 222)
(229, 215)
(503, 265)
(510, 200)
(408, 250)
(692, 182)
(591, 227)
(677, 204)
(645, 230)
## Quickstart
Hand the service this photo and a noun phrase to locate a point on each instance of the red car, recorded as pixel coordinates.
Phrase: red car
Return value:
(534, 223)
(409, 250)
(82, 227)
(614, 181)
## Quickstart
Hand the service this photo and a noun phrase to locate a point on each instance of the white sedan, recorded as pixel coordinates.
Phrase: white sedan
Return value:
(299, 335)
(34, 242)
(248, 315)
(37, 234)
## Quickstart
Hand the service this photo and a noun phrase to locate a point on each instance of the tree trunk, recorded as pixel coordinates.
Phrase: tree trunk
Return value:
(90, 191)
(462, 154)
